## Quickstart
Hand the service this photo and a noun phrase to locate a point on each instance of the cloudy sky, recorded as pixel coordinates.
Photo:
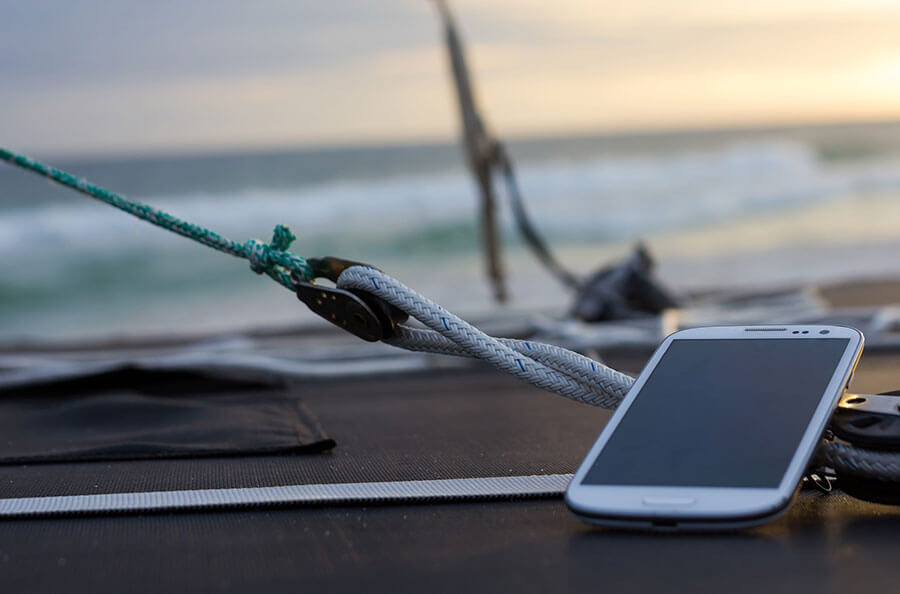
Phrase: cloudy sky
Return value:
(85, 76)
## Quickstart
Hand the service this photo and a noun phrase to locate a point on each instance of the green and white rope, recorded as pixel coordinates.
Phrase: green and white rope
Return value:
(272, 258)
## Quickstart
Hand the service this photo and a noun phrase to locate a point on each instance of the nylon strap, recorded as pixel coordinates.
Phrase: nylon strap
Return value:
(498, 487)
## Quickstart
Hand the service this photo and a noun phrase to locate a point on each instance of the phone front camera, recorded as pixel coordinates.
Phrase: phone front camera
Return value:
(824, 331)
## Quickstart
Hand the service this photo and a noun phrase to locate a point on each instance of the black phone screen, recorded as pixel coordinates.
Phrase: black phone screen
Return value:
(720, 413)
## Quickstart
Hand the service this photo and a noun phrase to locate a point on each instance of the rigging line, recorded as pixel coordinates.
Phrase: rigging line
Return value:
(271, 258)
(526, 227)
(605, 386)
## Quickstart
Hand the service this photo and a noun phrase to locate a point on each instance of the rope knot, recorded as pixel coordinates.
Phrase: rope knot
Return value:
(260, 254)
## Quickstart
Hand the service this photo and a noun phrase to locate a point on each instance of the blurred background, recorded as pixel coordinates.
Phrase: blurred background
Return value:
(750, 144)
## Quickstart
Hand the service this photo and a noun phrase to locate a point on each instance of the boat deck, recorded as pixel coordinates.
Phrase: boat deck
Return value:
(441, 424)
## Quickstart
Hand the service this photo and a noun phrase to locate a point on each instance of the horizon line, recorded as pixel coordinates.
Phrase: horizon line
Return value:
(200, 151)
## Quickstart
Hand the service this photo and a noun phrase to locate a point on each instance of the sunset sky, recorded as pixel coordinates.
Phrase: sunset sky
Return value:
(129, 76)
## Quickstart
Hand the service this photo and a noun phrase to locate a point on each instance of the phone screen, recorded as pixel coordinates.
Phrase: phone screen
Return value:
(720, 413)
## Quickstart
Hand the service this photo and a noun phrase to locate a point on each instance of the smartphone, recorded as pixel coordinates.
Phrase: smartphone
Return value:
(718, 429)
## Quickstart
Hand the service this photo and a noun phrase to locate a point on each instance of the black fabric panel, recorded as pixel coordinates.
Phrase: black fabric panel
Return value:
(132, 414)
(146, 381)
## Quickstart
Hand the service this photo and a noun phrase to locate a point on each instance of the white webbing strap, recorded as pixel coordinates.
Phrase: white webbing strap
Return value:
(495, 487)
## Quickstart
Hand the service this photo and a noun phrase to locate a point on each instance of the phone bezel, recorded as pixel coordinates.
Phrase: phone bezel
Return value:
(621, 504)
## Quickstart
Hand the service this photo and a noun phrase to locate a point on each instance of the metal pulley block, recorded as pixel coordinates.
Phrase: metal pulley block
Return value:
(869, 420)
(360, 313)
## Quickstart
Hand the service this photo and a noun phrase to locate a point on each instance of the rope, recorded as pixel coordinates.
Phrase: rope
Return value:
(272, 259)
(546, 366)
(608, 393)
(526, 227)
(856, 461)
(606, 387)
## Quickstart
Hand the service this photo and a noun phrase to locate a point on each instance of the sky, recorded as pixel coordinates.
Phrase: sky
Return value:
(128, 76)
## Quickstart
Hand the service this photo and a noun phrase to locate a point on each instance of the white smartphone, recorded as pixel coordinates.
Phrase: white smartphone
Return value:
(718, 428)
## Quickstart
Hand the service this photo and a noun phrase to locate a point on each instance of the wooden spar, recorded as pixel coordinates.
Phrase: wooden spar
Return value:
(481, 152)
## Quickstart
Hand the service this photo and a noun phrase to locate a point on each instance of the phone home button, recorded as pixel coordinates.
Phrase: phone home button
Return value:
(669, 501)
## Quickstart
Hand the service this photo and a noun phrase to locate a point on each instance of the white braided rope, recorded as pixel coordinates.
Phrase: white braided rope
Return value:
(553, 368)
(569, 375)
(607, 385)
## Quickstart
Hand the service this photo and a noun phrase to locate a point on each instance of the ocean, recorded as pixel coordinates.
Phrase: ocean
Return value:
(725, 208)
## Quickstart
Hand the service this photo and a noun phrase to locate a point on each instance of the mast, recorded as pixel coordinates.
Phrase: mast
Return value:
(481, 151)
(486, 155)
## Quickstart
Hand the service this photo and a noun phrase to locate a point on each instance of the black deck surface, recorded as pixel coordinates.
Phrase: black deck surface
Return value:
(453, 424)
